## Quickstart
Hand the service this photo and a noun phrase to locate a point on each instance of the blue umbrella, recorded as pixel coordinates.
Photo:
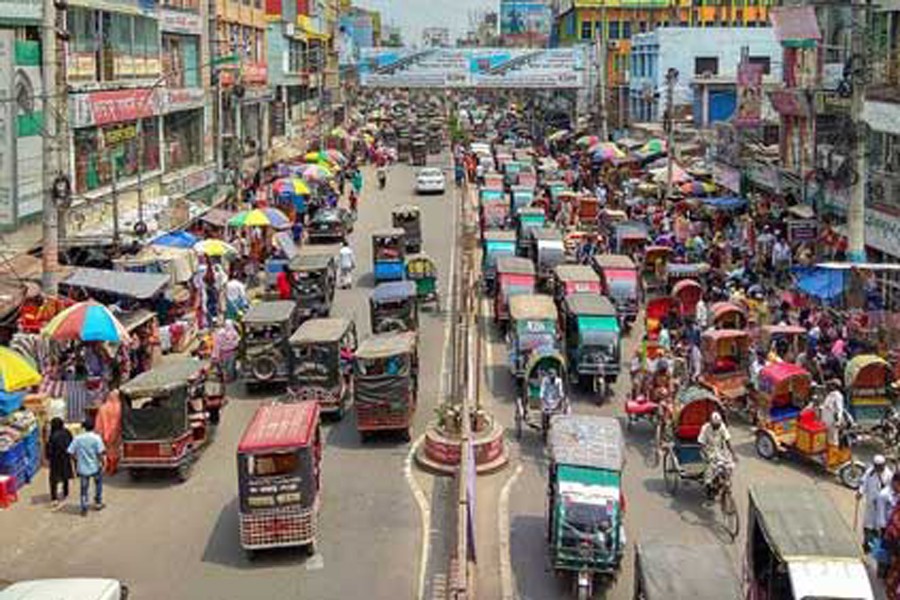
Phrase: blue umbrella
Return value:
(176, 239)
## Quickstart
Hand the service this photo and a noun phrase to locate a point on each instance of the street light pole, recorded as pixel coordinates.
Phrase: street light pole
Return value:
(671, 79)
(50, 146)
(856, 211)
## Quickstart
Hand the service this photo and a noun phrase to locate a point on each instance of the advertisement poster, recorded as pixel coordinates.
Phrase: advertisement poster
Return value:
(525, 22)
(497, 68)
(749, 95)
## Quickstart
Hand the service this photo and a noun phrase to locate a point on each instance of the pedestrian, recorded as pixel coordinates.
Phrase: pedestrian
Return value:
(347, 262)
(357, 182)
(876, 478)
(57, 451)
(886, 503)
(88, 451)
(833, 412)
(283, 283)
(890, 543)
(108, 425)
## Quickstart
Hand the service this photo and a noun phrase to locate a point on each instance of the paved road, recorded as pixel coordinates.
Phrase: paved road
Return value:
(652, 514)
(181, 541)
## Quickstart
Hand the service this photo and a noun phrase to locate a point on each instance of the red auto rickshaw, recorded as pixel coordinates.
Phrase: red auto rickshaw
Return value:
(515, 275)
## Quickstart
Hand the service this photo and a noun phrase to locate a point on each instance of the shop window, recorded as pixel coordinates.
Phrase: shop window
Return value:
(114, 153)
(183, 135)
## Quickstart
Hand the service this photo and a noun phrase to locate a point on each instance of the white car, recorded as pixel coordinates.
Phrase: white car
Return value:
(70, 589)
(431, 180)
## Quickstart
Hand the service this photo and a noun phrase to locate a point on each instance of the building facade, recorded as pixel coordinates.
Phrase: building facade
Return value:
(708, 54)
(435, 37)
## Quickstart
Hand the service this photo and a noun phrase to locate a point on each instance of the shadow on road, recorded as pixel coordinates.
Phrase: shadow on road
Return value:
(690, 504)
(223, 546)
(531, 570)
(343, 434)
(366, 280)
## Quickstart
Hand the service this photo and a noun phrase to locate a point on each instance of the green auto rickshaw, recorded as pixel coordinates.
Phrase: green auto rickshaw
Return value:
(585, 521)
(422, 270)
(592, 333)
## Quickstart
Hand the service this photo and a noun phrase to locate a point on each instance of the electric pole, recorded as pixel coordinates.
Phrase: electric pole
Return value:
(603, 51)
(51, 145)
(856, 211)
(669, 122)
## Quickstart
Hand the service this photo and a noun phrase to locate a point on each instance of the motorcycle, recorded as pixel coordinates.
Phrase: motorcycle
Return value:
(382, 179)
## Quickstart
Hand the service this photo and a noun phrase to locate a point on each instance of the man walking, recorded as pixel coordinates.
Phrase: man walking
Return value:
(876, 478)
(88, 451)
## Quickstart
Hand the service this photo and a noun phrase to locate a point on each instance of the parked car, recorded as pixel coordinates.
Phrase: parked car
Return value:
(430, 180)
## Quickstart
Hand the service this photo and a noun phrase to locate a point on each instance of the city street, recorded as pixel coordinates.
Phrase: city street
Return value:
(180, 541)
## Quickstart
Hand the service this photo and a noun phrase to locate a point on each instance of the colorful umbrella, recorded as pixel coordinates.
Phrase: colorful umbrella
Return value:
(316, 173)
(316, 156)
(697, 188)
(587, 141)
(260, 217)
(291, 185)
(16, 371)
(214, 247)
(606, 151)
(654, 146)
(339, 132)
(86, 322)
(336, 157)
(558, 135)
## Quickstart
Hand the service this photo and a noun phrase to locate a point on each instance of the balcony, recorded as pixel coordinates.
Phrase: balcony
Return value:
(21, 10)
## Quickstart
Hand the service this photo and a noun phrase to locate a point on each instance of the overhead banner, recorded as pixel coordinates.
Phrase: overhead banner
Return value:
(524, 22)
(749, 95)
(562, 68)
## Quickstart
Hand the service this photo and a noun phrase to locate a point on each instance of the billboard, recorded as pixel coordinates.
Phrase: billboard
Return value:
(355, 31)
(498, 68)
(525, 22)
(749, 95)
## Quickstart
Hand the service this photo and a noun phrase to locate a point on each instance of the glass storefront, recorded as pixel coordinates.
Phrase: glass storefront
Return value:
(181, 60)
(119, 147)
(183, 139)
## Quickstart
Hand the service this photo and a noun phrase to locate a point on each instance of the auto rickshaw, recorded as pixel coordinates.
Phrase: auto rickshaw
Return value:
(164, 417)
(418, 154)
(533, 327)
(799, 547)
(687, 294)
(670, 571)
(385, 384)
(630, 237)
(727, 315)
(515, 275)
(313, 279)
(790, 340)
(388, 254)
(656, 312)
(493, 181)
(591, 329)
(393, 306)
(264, 351)
(319, 369)
(550, 251)
(654, 269)
(279, 463)
(493, 208)
(520, 197)
(574, 279)
(496, 244)
(609, 218)
(585, 521)
(528, 220)
(422, 270)
(407, 218)
(867, 381)
(619, 282)
(679, 271)
(725, 356)
(785, 424)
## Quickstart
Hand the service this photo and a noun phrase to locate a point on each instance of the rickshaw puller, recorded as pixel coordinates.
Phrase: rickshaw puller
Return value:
(347, 264)
(715, 440)
(551, 392)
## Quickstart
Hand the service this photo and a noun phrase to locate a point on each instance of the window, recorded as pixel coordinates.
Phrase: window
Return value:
(614, 30)
(100, 149)
(765, 61)
(598, 29)
(706, 65)
(183, 139)
(180, 60)
(586, 30)
(626, 30)
(643, 26)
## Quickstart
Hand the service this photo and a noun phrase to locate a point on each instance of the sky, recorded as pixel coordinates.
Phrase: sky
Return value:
(414, 15)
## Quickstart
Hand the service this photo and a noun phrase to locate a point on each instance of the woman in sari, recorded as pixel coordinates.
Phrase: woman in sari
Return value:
(890, 543)
(108, 426)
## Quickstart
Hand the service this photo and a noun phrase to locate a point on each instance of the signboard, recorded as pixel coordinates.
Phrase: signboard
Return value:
(727, 177)
(496, 68)
(180, 22)
(882, 116)
(789, 103)
(749, 95)
(254, 73)
(102, 108)
(277, 117)
(7, 113)
(802, 230)
(183, 99)
(525, 22)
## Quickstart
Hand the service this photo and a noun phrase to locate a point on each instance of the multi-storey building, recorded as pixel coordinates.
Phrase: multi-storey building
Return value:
(614, 22)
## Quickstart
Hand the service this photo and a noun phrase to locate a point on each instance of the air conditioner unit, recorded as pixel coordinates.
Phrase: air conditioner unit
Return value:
(289, 29)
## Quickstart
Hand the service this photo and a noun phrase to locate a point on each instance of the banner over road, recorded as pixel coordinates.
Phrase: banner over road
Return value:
(496, 68)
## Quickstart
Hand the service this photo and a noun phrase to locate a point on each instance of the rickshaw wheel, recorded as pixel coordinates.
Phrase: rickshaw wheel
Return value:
(670, 472)
(584, 592)
(519, 418)
(851, 474)
(730, 513)
(311, 548)
(765, 446)
(214, 416)
(184, 472)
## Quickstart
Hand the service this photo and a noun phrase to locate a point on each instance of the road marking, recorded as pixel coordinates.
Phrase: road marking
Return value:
(424, 512)
(507, 588)
(316, 562)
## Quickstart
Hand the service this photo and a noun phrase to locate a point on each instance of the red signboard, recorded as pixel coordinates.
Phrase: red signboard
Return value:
(255, 73)
(102, 108)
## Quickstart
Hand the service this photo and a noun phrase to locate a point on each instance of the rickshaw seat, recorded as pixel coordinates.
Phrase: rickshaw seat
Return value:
(688, 431)
(784, 413)
(726, 364)
(640, 406)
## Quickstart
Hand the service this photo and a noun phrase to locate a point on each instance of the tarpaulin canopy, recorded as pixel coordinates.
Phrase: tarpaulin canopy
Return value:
(726, 203)
(824, 284)
(176, 239)
(795, 25)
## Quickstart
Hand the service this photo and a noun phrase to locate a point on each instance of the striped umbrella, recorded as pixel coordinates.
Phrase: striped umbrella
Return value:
(260, 217)
(316, 173)
(85, 322)
(214, 247)
(16, 371)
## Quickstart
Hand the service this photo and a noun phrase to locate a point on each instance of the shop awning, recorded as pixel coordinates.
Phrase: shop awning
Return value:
(796, 26)
(306, 25)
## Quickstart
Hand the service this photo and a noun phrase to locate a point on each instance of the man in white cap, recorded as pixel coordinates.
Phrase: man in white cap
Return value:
(832, 411)
(876, 478)
(715, 440)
